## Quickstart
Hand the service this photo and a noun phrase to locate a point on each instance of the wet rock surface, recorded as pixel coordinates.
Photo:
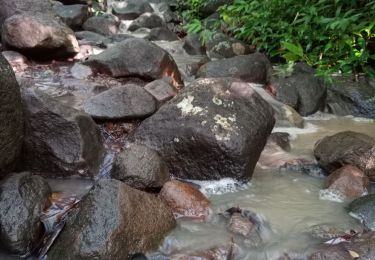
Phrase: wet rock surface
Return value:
(210, 140)
(11, 117)
(135, 57)
(59, 140)
(114, 221)
(126, 102)
(348, 181)
(140, 167)
(254, 68)
(349, 97)
(185, 200)
(22, 200)
(347, 148)
(302, 90)
(364, 209)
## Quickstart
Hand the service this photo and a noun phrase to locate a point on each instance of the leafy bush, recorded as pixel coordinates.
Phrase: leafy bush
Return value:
(331, 35)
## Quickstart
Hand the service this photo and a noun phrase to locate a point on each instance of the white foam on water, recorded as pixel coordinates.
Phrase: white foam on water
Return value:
(361, 119)
(331, 195)
(225, 185)
(295, 131)
(319, 116)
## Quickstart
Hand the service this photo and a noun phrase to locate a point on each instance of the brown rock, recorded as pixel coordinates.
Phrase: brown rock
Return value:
(240, 225)
(349, 181)
(185, 200)
(333, 152)
(113, 221)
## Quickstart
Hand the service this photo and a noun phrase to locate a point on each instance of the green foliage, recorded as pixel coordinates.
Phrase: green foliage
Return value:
(331, 35)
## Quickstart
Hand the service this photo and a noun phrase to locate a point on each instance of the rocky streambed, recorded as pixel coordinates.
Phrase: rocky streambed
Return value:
(121, 137)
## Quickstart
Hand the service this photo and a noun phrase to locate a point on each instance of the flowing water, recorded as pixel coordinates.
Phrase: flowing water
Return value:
(291, 202)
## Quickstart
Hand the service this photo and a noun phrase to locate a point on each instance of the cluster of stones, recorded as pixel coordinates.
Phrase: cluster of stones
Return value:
(205, 119)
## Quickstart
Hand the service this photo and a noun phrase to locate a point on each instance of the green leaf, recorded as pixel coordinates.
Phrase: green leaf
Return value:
(295, 49)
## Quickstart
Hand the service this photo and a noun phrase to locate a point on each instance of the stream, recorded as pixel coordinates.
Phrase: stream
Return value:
(291, 202)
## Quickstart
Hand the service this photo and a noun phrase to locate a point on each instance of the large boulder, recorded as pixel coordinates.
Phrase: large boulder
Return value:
(136, 57)
(348, 97)
(59, 140)
(214, 128)
(253, 68)
(302, 90)
(364, 209)
(140, 167)
(11, 119)
(333, 152)
(131, 9)
(114, 221)
(40, 36)
(23, 198)
(126, 102)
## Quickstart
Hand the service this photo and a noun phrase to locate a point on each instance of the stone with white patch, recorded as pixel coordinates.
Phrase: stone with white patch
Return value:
(212, 129)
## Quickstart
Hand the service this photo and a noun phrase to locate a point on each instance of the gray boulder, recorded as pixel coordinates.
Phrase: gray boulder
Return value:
(23, 198)
(59, 140)
(253, 68)
(348, 97)
(125, 102)
(140, 167)
(347, 148)
(212, 129)
(147, 20)
(161, 34)
(193, 45)
(131, 9)
(136, 57)
(364, 209)
(73, 15)
(11, 118)
(114, 221)
(104, 25)
(302, 90)
(40, 36)
(88, 37)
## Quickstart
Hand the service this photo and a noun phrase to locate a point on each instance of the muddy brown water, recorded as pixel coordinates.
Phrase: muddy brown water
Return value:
(291, 202)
